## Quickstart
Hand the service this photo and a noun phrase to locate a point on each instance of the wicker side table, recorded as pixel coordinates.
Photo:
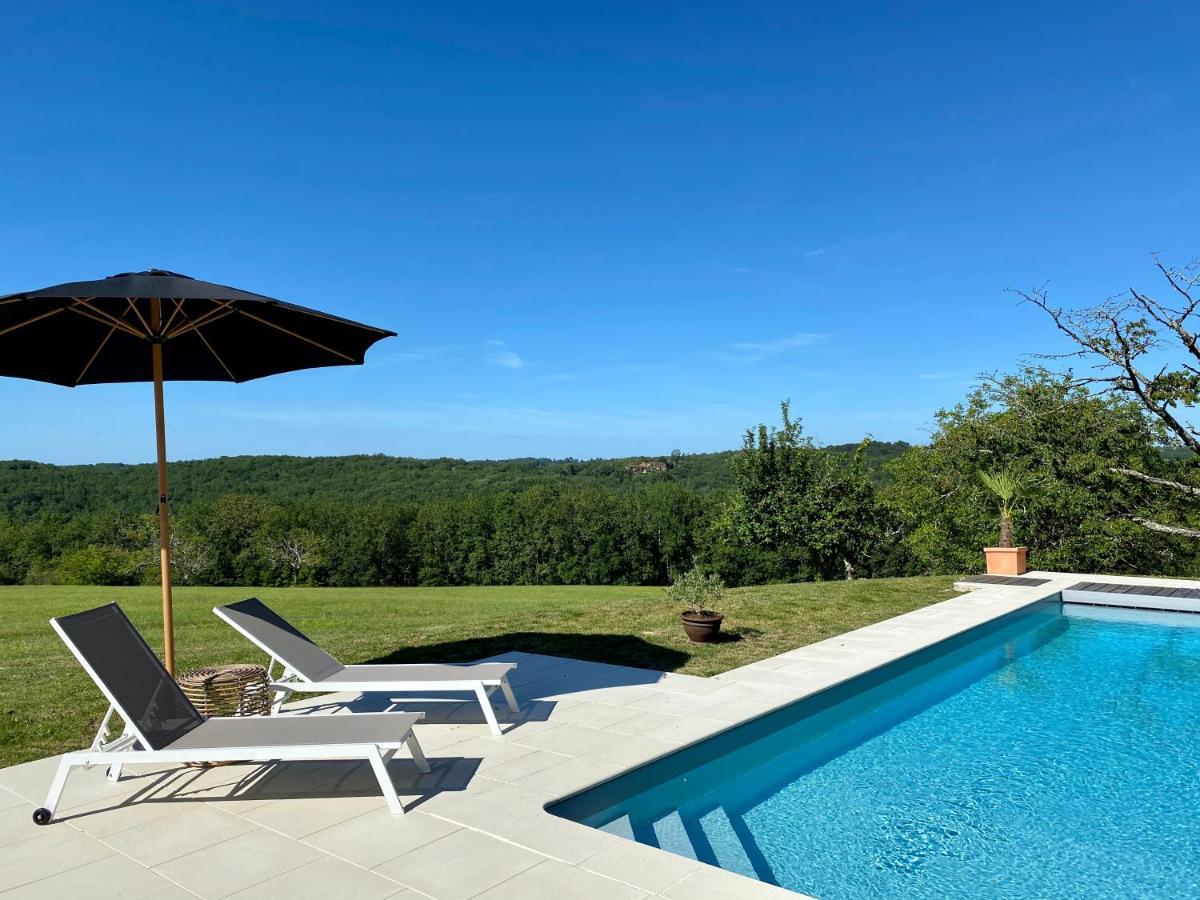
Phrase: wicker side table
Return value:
(236, 690)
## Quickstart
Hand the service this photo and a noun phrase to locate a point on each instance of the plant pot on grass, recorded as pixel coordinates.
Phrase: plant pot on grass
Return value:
(1006, 559)
(698, 593)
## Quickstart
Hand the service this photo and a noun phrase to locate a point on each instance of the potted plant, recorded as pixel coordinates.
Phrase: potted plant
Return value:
(698, 593)
(1008, 488)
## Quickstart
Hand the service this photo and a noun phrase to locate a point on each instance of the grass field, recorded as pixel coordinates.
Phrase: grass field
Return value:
(48, 704)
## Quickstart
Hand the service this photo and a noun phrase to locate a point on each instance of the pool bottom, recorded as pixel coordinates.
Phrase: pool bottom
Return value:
(1046, 753)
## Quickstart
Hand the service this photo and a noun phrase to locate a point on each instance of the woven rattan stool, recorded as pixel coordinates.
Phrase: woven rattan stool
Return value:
(237, 690)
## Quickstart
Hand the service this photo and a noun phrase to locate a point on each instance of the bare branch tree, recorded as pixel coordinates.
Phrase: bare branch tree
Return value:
(293, 551)
(1127, 336)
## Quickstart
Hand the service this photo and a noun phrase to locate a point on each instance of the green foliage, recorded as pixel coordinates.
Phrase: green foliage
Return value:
(1043, 430)
(98, 565)
(697, 591)
(1008, 488)
(29, 489)
(804, 513)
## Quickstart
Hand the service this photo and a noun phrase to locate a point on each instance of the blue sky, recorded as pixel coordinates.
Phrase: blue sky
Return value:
(599, 228)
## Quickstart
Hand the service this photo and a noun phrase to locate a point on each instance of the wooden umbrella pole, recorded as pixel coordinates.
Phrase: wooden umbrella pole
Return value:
(164, 513)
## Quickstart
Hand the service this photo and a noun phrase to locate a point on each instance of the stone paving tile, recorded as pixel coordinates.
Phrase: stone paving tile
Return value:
(231, 866)
(632, 751)
(569, 776)
(572, 739)
(321, 879)
(711, 883)
(505, 809)
(58, 849)
(300, 817)
(564, 839)
(644, 722)
(556, 879)
(644, 867)
(533, 761)
(491, 752)
(597, 715)
(459, 865)
(161, 840)
(113, 876)
(376, 837)
(8, 799)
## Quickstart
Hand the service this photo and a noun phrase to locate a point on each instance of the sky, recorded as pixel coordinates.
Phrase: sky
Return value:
(600, 229)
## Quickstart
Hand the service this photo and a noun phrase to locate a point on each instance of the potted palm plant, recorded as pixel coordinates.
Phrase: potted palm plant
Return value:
(698, 593)
(1008, 488)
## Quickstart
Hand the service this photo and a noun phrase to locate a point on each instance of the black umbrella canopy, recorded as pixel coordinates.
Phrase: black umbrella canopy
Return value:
(160, 326)
(96, 332)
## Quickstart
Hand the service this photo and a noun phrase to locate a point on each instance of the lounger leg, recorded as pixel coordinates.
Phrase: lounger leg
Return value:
(508, 695)
(59, 782)
(114, 772)
(281, 697)
(385, 782)
(485, 703)
(418, 755)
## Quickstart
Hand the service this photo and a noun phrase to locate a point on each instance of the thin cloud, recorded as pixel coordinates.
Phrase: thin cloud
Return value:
(750, 352)
(820, 251)
(506, 359)
(937, 376)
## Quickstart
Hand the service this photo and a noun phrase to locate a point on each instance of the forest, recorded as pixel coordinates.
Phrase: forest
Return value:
(780, 509)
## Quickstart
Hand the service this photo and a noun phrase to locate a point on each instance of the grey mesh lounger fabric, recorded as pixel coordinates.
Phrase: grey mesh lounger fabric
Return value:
(309, 669)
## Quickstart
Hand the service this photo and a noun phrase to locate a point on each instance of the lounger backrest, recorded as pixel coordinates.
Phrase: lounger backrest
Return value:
(276, 636)
(129, 674)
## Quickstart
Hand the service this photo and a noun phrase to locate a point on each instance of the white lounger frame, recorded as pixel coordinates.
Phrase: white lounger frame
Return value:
(123, 749)
(290, 682)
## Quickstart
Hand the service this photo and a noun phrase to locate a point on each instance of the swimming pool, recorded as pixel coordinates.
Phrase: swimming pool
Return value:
(1052, 752)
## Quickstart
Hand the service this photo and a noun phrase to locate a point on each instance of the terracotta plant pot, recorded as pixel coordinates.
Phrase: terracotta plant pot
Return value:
(1007, 560)
(702, 627)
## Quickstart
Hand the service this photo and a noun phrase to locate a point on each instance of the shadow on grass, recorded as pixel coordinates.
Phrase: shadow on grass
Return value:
(616, 649)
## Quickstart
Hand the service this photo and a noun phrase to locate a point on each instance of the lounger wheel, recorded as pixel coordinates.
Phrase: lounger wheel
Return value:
(42, 816)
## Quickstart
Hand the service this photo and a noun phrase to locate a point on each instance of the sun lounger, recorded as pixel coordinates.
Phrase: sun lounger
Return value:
(309, 669)
(162, 726)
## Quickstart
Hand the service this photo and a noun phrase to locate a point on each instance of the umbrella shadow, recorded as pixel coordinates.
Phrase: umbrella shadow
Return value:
(549, 666)
(613, 649)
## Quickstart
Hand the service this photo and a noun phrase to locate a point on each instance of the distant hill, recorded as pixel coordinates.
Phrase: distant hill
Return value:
(28, 489)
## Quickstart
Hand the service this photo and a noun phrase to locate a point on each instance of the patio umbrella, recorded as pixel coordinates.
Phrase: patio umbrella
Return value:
(160, 326)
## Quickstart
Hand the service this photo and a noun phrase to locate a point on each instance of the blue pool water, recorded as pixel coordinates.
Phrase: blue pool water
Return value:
(1052, 753)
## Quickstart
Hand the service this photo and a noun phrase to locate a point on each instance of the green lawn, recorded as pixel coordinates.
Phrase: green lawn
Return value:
(49, 705)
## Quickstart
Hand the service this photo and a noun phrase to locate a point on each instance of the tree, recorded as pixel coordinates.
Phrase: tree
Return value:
(297, 553)
(1049, 431)
(1148, 350)
(814, 512)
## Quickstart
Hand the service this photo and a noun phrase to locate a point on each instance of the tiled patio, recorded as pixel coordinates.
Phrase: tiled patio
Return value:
(476, 825)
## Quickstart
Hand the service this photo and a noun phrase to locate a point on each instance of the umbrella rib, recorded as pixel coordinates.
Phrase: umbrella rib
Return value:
(104, 318)
(225, 309)
(100, 347)
(175, 312)
(38, 318)
(298, 337)
(141, 318)
(216, 355)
